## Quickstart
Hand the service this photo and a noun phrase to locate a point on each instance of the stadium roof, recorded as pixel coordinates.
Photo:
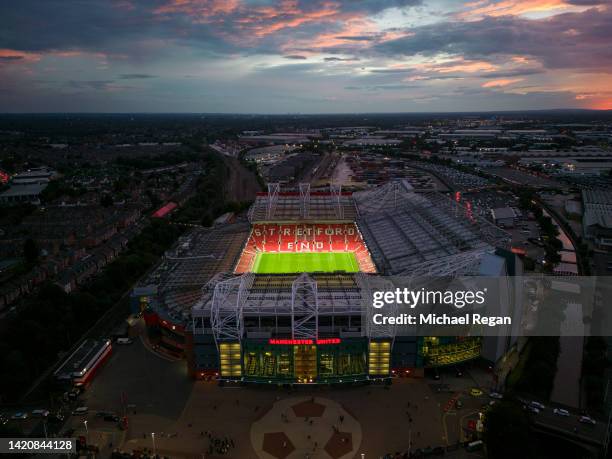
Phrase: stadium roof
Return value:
(190, 264)
(407, 233)
(302, 205)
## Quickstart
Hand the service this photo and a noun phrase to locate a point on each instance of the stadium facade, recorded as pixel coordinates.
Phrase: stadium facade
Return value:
(280, 298)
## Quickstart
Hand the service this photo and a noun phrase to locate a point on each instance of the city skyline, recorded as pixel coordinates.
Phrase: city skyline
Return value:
(294, 56)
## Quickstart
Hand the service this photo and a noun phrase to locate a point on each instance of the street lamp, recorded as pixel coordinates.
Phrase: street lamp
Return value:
(153, 438)
(409, 441)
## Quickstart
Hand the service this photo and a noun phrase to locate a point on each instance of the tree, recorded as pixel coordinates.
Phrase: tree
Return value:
(506, 431)
(106, 200)
(30, 251)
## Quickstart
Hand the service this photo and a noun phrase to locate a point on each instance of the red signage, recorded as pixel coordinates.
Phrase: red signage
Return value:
(297, 342)
(329, 341)
(290, 341)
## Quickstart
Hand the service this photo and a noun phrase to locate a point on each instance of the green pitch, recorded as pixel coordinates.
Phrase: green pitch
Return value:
(305, 262)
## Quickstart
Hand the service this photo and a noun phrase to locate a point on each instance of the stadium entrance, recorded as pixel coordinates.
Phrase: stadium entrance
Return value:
(306, 361)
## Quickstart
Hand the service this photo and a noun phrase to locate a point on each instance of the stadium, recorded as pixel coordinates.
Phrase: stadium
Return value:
(279, 298)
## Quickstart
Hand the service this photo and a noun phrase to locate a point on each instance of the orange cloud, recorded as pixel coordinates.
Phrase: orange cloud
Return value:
(7, 55)
(602, 104)
(199, 9)
(501, 82)
(466, 67)
(294, 18)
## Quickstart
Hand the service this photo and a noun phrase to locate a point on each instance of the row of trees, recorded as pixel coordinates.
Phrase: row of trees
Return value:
(160, 160)
(209, 200)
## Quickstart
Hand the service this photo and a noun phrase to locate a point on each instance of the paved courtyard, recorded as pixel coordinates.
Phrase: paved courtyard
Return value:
(177, 417)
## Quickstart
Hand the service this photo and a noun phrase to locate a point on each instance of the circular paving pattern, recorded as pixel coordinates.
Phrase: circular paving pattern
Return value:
(306, 428)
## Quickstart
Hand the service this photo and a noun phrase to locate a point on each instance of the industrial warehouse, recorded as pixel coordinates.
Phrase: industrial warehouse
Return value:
(280, 298)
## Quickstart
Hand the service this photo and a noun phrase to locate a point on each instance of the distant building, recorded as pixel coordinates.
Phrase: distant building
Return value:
(573, 208)
(23, 193)
(371, 142)
(38, 175)
(504, 216)
(597, 217)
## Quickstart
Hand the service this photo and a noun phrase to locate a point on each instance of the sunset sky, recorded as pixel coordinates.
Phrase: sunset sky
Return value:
(291, 56)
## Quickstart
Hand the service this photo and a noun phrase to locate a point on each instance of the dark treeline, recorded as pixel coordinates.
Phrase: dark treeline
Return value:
(160, 160)
(75, 126)
(209, 200)
(52, 321)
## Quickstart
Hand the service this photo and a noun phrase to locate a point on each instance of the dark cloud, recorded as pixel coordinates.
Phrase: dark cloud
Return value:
(375, 6)
(136, 76)
(10, 58)
(296, 57)
(381, 87)
(357, 37)
(570, 40)
(586, 2)
(92, 84)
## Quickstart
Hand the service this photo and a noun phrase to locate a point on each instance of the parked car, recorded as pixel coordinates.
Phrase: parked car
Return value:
(537, 405)
(19, 416)
(496, 395)
(587, 420)
(561, 412)
(124, 341)
(40, 413)
(80, 411)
